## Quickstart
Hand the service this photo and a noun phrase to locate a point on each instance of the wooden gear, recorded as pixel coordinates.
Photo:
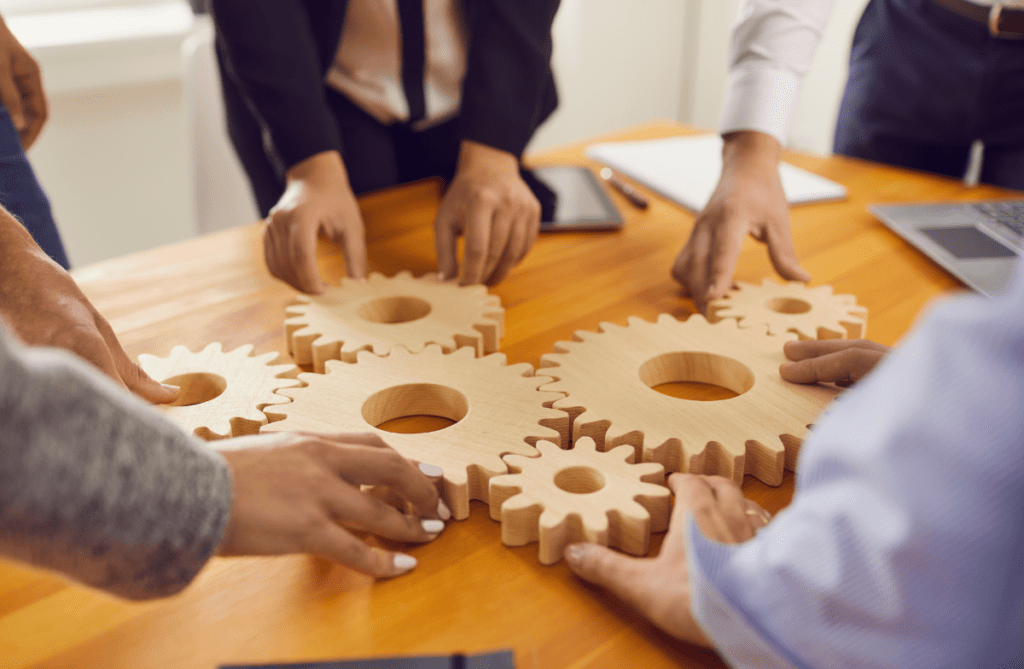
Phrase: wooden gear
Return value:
(564, 497)
(812, 313)
(497, 409)
(222, 394)
(609, 376)
(386, 312)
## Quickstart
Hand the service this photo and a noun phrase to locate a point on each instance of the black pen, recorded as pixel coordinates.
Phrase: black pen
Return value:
(630, 193)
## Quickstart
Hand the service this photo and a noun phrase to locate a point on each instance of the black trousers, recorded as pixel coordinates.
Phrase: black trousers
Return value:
(376, 155)
(924, 84)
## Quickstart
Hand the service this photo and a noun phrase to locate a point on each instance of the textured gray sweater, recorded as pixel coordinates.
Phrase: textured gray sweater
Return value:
(98, 485)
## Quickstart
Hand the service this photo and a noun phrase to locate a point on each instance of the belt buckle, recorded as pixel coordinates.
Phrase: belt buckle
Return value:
(993, 24)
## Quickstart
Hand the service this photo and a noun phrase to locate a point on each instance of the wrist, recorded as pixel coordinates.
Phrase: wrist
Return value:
(474, 156)
(749, 147)
(325, 167)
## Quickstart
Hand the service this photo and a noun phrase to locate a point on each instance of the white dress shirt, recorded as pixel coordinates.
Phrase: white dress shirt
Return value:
(773, 44)
(904, 543)
(368, 64)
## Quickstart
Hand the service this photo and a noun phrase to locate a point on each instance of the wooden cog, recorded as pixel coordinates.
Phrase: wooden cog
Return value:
(222, 394)
(497, 409)
(812, 313)
(609, 376)
(383, 313)
(564, 497)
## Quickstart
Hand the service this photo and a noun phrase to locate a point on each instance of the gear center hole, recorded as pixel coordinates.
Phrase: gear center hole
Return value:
(579, 480)
(197, 388)
(788, 305)
(697, 376)
(415, 408)
(394, 309)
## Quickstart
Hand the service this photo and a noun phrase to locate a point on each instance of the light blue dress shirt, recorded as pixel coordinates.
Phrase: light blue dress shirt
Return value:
(904, 543)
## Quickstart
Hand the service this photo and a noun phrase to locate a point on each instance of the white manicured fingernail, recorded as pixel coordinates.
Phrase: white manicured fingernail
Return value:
(404, 562)
(431, 526)
(433, 471)
(443, 510)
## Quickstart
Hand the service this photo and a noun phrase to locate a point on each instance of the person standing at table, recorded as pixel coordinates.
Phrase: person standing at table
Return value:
(330, 99)
(904, 543)
(927, 78)
(23, 112)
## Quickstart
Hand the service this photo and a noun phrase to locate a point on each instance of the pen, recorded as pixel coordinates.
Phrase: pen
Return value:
(630, 193)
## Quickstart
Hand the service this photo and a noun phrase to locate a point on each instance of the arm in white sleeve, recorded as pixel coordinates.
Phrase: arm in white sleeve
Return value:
(904, 544)
(773, 44)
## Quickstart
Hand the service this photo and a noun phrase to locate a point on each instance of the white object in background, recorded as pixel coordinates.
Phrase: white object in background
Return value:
(686, 170)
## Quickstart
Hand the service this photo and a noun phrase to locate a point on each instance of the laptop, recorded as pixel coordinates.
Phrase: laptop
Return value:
(978, 242)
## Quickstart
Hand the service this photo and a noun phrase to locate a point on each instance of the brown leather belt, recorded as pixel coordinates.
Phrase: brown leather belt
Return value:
(1004, 22)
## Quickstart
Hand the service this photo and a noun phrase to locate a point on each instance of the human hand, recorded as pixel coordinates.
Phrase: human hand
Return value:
(44, 306)
(490, 204)
(21, 87)
(658, 587)
(317, 198)
(300, 493)
(747, 200)
(841, 361)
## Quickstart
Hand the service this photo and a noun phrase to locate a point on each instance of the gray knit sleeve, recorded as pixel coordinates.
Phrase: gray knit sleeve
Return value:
(98, 485)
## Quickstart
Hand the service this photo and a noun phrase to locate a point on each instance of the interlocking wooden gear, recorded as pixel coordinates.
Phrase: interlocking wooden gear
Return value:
(497, 409)
(812, 313)
(609, 376)
(581, 494)
(386, 312)
(222, 394)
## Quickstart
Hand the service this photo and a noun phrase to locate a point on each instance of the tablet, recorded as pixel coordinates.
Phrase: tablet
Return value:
(571, 198)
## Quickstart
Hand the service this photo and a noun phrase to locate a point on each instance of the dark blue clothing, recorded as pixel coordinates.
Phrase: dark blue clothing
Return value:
(924, 84)
(21, 194)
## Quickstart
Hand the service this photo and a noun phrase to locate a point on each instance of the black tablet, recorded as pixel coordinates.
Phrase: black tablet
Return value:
(571, 198)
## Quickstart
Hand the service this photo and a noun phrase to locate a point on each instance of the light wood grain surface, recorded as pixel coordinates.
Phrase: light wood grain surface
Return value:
(470, 592)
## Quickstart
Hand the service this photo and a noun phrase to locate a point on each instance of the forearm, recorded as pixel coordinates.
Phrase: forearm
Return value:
(97, 485)
(772, 47)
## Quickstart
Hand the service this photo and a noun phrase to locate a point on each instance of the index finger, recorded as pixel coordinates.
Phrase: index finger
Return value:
(813, 348)
(376, 465)
(726, 244)
(302, 257)
(34, 100)
(478, 242)
(353, 245)
(783, 254)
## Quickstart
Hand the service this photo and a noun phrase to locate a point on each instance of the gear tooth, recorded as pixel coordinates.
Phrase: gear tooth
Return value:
(670, 320)
(585, 444)
(468, 352)
(547, 448)
(523, 369)
(404, 274)
(624, 452)
(375, 277)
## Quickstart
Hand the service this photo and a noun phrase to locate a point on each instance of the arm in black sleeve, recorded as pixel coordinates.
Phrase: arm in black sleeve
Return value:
(508, 89)
(270, 52)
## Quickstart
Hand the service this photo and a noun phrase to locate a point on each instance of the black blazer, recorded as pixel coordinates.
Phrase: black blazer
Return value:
(274, 55)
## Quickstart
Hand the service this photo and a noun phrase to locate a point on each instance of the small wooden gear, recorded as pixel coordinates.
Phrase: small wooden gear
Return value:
(222, 394)
(812, 313)
(383, 313)
(564, 497)
(609, 379)
(497, 409)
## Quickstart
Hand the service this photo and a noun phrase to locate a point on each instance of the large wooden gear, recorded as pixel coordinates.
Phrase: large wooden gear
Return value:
(609, 379)
(383, 313)
(222, 394)
(812, 313)
(581, 494)
(497, 408)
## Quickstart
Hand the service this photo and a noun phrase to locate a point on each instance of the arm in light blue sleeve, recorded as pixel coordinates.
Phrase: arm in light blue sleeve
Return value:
(904, 544)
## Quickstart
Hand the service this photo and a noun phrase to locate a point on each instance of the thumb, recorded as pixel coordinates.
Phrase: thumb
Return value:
(621, 575)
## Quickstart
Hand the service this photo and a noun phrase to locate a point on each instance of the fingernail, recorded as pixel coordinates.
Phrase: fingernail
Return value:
(440, 276)
(404, 562)
(432, 526)
(443, 510)
(574, 552)
(169, 388)
(433, 471)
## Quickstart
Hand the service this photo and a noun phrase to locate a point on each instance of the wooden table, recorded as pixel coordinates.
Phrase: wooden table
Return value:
(470, 593)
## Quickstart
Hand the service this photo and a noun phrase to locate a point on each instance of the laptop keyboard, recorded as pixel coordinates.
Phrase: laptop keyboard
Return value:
(1007, 214)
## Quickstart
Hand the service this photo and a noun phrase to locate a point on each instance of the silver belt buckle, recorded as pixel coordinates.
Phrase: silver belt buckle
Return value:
(993, 24)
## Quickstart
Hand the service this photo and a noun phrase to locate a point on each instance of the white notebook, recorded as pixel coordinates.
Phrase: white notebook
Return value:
(686, 170)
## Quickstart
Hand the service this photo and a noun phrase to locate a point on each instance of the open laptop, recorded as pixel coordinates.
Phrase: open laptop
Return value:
(978, 242)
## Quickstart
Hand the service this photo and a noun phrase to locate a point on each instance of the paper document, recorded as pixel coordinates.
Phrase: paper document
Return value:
(686, 170)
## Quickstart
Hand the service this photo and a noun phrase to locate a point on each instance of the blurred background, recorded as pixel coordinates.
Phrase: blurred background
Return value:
(135, 153)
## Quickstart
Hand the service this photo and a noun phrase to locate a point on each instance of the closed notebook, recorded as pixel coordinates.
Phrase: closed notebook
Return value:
(686, 170)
